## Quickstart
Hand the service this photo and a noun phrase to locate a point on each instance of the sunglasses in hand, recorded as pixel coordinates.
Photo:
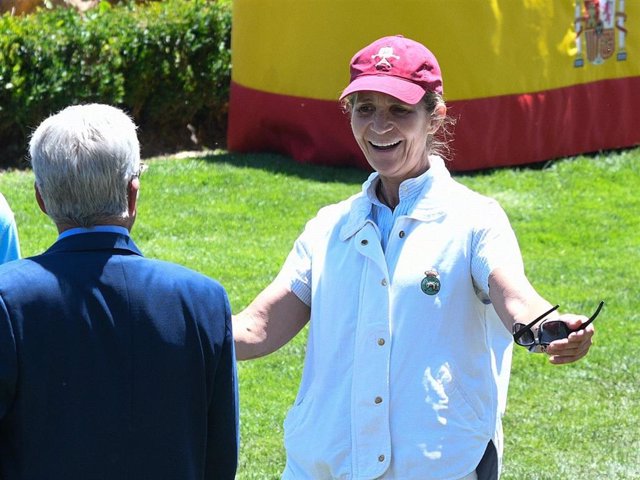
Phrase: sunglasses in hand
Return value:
(548, 331)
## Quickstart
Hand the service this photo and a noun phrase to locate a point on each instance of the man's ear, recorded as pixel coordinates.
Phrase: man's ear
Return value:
(39, 199)
(132, 196)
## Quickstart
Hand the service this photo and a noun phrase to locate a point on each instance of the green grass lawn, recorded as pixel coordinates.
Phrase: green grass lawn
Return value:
(235, 217)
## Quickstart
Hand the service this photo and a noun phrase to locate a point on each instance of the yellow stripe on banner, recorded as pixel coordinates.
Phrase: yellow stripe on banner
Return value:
(485, 47)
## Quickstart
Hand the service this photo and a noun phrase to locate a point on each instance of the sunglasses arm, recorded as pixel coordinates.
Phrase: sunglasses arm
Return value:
(591, 318)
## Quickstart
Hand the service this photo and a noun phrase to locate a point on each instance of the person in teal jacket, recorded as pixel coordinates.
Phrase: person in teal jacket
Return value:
(9, 244)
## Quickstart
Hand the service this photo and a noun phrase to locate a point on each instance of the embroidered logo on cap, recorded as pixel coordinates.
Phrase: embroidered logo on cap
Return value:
(383, 56)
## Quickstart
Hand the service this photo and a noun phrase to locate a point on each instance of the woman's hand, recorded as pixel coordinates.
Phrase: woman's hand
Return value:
(575, 346)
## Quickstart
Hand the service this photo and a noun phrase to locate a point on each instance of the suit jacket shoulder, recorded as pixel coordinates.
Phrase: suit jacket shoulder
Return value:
(114, 365)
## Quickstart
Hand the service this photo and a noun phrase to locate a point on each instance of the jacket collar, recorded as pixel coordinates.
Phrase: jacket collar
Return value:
(359, 212)
(431, 204)
(96, 241)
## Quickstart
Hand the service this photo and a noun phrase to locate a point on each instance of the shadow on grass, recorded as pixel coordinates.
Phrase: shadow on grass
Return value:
(283, 165)
(543, 164)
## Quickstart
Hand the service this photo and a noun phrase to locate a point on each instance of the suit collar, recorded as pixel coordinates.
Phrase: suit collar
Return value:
(96, 241)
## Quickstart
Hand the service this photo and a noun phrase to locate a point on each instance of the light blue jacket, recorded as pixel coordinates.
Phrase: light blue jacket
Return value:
(9, 245)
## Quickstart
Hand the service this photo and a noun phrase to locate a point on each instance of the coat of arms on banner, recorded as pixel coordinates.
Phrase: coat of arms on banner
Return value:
(596, 22)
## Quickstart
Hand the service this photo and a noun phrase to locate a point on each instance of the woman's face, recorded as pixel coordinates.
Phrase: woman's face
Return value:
(392, 134)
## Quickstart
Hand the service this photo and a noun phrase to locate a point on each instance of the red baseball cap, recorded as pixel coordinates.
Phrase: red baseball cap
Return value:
(397, 66)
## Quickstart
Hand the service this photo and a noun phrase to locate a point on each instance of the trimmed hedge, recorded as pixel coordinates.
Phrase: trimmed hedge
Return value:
(166, 63)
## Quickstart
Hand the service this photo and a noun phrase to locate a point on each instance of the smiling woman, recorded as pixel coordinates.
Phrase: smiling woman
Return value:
(407, 288)
(394, 136)
(396, 107)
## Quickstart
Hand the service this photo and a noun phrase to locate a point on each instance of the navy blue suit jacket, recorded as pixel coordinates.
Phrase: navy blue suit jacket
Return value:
(114, 366)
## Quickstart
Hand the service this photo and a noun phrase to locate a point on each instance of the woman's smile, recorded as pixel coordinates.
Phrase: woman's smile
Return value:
(384, 146)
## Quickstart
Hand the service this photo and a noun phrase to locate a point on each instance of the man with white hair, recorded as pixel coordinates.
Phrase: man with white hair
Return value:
(112, 365)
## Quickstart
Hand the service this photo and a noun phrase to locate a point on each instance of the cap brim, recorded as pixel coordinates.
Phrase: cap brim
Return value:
(403, 90)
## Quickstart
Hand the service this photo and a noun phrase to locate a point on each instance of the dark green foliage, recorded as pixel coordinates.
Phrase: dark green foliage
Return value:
(167, 63)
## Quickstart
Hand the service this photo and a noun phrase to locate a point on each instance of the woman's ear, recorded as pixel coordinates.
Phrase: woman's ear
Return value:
(437, 118)
(440, 111)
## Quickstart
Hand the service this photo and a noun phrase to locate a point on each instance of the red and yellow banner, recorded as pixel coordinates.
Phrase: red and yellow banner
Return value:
(528, 80)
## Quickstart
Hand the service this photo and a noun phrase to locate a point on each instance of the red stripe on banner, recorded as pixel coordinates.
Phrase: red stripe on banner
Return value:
(310, 131)
(491, 132)
(529, 128)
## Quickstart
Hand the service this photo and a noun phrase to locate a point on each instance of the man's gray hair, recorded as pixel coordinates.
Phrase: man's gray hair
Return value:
(83, 159)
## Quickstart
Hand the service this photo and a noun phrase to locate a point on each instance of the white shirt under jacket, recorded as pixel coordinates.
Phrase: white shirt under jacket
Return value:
(397, 383)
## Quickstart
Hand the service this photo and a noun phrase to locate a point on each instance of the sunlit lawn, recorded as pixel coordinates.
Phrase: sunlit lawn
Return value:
(234, 217)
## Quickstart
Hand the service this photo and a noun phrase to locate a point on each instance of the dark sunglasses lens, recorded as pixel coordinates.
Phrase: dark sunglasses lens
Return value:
(525, 337)
(553, 330)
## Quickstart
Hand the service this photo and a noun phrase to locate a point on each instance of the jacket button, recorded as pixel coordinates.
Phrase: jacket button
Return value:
(383, 282)
(378, 400)
(381, 341)
(364, 242)
(381, 458)
(401, 234)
